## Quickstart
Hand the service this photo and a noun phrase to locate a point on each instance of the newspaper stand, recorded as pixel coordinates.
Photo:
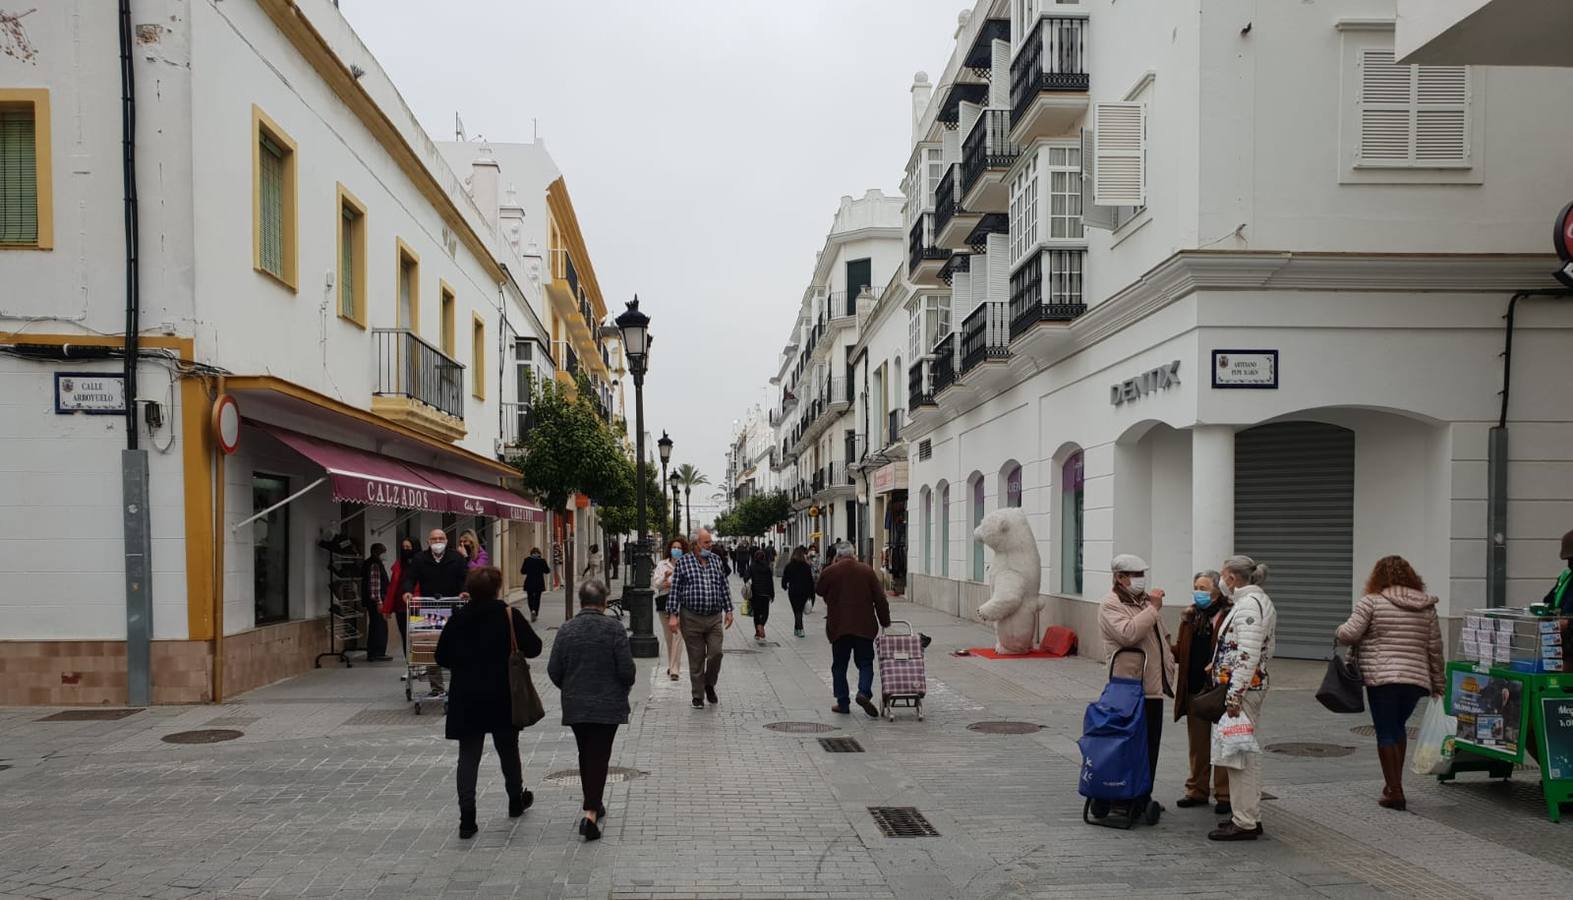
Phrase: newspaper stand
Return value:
(1512, 694)
(427, 616)
(344, 607)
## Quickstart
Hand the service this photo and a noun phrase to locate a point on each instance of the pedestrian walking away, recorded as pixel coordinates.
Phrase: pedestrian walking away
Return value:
(592, 664)
(475, 646)
(661, 582)
(470, 546)
(700, 604)
(592, 568)
(1128, 618)
(1245, 648)
(534, 571)
(1398, 640)
(798, 581)
(855, 610)
(434, 572)
(613, 558)
(1193, 658)
(374, 587)
(762, 587)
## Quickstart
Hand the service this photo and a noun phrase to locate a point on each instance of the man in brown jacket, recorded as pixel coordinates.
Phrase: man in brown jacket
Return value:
(855, 610)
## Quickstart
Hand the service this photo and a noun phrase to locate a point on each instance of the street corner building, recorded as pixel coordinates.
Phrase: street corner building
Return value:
(338, 325)
(1184, 282)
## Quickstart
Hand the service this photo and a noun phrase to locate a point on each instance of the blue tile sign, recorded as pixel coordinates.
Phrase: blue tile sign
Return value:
(92, 393)
(1556, 716)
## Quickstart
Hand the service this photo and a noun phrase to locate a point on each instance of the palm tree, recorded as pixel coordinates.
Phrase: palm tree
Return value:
(689, 477)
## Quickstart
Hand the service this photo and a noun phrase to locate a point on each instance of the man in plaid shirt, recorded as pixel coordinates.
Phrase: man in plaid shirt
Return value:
(855, 610)
(697, 604)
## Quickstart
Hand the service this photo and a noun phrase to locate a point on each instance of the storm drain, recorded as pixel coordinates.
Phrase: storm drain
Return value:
(841, 745)
(202, 736)
(614, 775)
(1312, 750)
(1004, 727)
(1370, 731)
(902, 821)
(798, 727)
(90, 715)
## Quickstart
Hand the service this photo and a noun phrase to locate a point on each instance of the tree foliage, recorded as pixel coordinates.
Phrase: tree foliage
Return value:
(570, 449)
(755, 515)
(623, 518)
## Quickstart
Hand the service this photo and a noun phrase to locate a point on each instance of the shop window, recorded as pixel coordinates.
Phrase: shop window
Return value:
(270, 548)
(977, 519)
(1012, 484)
(928, 532)
(944, 530)
(1072, 507)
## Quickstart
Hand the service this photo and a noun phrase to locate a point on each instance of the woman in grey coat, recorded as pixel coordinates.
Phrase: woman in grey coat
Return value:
(593, 666)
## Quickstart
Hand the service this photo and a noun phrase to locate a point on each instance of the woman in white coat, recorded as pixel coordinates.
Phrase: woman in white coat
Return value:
(661, 581)
(1244, 650)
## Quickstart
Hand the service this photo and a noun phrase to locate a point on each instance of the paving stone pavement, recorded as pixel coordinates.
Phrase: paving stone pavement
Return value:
(337, 789)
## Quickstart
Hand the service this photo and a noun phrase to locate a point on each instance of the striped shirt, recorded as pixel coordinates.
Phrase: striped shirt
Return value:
(699, 587)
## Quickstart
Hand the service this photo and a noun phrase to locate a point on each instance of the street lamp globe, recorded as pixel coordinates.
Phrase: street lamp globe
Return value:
(635, 327)
(665, 444)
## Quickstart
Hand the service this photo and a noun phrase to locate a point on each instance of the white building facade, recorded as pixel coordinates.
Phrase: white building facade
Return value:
(1186, 281)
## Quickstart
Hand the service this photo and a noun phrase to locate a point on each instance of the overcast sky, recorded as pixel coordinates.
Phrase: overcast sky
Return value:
(706, 146)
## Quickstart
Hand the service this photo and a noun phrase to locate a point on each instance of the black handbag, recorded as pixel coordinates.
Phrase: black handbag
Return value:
(1209, 704)
(1343, 687)
(524, 699)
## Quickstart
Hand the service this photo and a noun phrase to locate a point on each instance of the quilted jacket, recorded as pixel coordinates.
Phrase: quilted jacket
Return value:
(1245, 642)
(1398, 638)
(1126, 620)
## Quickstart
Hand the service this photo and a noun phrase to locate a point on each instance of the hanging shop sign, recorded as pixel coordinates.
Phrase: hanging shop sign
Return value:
(1150, 381)
(1245, 369)
(892, 477)
(92, 393)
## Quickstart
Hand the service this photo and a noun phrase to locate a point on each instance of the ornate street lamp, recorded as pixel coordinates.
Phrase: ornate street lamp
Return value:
(677, 502)
(665, 445)
(638, 598)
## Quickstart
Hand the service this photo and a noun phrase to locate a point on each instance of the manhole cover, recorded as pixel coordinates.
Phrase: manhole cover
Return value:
(902, 821)
(90, 715)
(799, 727)
(1370, 731)
(1310, 749)
(841, 745)
(1004, 727)
(203, 736)
(614, 775)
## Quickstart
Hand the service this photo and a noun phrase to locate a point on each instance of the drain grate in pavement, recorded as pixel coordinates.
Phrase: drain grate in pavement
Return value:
(902, 821)
(1004, 727)
(1311, 749)
(202, 736)
(1370, 731)
(799, 727)
(90, 715)
(403, 715)
(614, 775)
(841, 745)
(233, 720)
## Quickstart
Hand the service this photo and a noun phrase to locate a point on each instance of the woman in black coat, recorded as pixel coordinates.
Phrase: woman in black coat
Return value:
(592, 664)
(762, 589)
(475, 648)
(798, 579)
(535, 571)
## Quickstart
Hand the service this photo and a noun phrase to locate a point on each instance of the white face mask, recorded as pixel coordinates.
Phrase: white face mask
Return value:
(438, 548)
(1139, 583)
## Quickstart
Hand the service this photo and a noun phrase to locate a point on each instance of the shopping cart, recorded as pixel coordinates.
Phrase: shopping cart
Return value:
(903, 678)
(427, 616)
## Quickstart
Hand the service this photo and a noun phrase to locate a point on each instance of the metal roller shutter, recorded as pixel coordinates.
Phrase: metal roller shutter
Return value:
(1294, 511)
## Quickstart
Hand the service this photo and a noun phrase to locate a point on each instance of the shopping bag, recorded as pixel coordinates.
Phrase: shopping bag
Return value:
(524, 699)
(1434, 748)
(1343, 686)
(1233, 737)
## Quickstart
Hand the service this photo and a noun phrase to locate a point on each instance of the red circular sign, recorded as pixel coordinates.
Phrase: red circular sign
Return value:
(1562, 235)
(226, 423)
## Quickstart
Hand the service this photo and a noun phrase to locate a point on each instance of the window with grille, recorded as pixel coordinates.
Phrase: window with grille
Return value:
(1412, 116)
(352, 258)
(409, 288)
(273, 200)
(18, 176)
(1062, 283)
(1064, 168)
(272, 180)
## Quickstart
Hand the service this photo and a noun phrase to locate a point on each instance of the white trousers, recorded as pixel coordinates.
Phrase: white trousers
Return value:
(1245, 784)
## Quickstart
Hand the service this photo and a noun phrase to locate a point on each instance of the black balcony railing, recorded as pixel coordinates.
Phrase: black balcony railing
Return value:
(570, 360)
(1054, 58)
(987, 146)
(834, 390)
(993, 223)
(517, 420)
(409, 367)
(571, 272)
(922, 244)
(841, 305)
(985, 334)
(945, 363)
(920, 391)
(893, 426)
(947, 199)
(1059, 300)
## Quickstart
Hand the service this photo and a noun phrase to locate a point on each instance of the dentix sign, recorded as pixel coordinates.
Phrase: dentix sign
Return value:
(1131, 389)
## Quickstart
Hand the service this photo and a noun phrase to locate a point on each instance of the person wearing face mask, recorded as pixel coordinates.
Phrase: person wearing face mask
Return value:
(1193, 655)
(1244, 648)
(435, 572)
(661, 581)
(1128, 617)
(470, 546)
(534, 571)
(393, 600)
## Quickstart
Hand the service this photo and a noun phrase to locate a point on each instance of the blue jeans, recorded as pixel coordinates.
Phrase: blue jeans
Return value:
(1391, 706)
(844, 649)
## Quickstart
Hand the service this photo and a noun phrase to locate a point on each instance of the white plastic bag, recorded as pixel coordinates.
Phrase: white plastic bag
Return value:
(1434, 748)
(1233, 737)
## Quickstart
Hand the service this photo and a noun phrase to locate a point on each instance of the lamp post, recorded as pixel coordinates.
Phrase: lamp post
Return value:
(677, 502)
(665, 445)
(637, 599)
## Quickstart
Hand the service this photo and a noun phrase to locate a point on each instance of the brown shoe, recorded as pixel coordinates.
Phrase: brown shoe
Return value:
(1228, 831)
(1392, 759)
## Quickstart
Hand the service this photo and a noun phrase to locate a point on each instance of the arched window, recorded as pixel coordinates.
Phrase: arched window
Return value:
(977, 519)
(1072, 535)
(944, 529)
(1010, 483)
(928, 532)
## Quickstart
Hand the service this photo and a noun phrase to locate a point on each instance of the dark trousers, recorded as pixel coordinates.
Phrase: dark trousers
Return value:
(1153, 709)
(595, 756)
(534, 599)
(376, 633)
(760, 607)
(797, 611)
(846, 648)
(507, 746)
(401, 618)
(1391, 706)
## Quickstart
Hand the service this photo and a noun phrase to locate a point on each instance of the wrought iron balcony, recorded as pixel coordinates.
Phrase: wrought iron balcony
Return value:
(947, 199)
(1053, 58)
(1058, 299)
(893, 426)
(922, 245)
(985, 334)
(920, 391)
(407, 366)
(945, 363)
(987, 146)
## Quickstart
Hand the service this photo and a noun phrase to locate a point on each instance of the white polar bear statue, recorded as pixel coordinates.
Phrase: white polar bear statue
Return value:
(1014, 576)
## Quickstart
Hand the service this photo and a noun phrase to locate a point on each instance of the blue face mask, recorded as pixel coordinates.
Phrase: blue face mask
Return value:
(1203, 599)
(677, 552)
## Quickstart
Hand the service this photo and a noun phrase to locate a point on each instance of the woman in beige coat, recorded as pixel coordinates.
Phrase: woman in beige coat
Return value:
(1129, 616)
(1399, 646)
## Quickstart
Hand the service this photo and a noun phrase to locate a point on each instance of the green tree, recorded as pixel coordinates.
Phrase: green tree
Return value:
(623, 517)
(690, 478)
(756, 515)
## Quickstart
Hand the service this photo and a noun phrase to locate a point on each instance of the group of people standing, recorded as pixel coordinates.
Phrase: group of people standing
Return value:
(1226, 638)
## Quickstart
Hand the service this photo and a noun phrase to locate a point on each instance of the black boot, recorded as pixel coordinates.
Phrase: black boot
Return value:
(467, 826)
(518, 803)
